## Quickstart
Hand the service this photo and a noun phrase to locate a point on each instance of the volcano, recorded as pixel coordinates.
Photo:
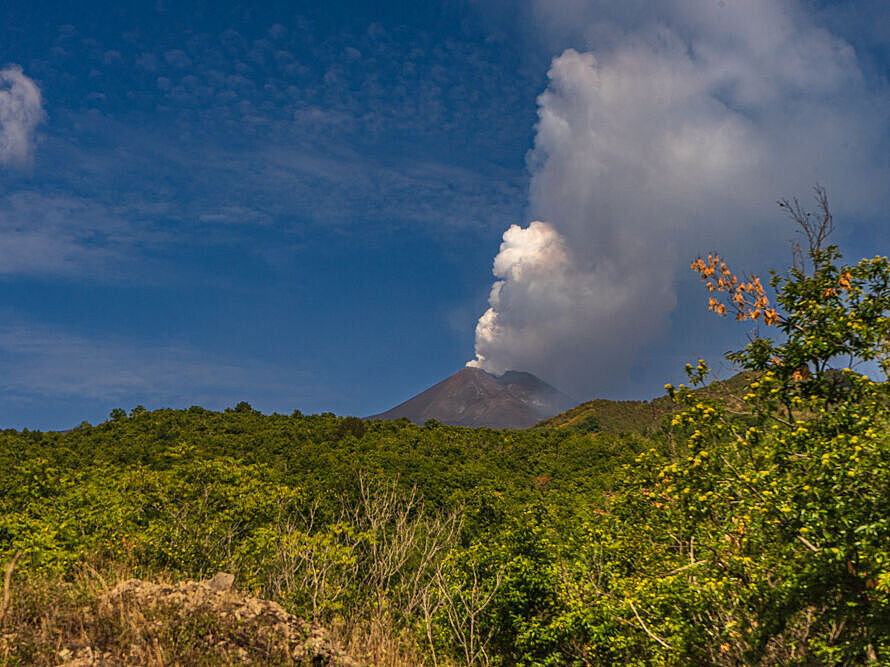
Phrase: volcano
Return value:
(473, 397)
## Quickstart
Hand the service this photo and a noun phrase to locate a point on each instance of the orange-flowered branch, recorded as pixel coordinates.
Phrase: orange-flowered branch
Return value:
(747, 297)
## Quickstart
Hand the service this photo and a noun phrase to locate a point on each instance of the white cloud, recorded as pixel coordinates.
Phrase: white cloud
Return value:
(21, 110)
(549, 310)
(673, 139)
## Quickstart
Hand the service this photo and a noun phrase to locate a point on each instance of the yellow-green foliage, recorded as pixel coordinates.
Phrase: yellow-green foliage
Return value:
(643, 416)
(364, 534)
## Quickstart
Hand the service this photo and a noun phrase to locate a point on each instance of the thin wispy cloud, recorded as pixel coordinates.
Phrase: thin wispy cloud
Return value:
(21, 111)
(39, 361)
(60, 235)
(234, 139)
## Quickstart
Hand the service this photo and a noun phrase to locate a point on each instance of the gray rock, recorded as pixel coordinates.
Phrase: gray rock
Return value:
(221, 581)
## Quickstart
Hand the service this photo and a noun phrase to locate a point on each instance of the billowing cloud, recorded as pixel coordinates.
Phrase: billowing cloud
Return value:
(546, 309)
(675, 138)
(21, 110)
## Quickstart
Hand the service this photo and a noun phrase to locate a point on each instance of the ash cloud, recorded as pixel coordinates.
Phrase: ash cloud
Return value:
(21, 110)
(675, 137)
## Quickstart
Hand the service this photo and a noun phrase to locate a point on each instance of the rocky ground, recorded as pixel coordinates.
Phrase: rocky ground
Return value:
(145, 623)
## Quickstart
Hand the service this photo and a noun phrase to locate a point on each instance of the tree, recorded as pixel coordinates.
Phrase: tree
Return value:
(789, 506)
(765, 536)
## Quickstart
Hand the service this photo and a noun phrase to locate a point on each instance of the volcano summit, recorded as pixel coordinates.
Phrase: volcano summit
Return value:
(473, 397)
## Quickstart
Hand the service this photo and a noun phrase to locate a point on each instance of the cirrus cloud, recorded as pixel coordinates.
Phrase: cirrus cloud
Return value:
(21, 110)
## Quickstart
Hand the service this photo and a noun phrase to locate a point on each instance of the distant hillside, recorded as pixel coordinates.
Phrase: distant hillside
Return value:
(640, 416)
(473, 397)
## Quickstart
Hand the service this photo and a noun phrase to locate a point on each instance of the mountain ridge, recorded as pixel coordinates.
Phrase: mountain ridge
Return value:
(642, 416)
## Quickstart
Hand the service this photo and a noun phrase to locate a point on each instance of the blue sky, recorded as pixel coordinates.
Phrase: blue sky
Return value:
(299, 205)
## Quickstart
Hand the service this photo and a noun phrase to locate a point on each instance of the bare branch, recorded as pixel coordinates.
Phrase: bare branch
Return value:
(647, 630)
(809, 545)
(816, 227)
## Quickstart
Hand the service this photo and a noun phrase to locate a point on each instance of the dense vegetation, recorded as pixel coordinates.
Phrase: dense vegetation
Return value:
(645, 417)
(748, 529)
(334, 517)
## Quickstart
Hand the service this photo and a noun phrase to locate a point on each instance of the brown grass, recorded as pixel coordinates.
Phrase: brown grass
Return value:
(103, 615)
(112, 619)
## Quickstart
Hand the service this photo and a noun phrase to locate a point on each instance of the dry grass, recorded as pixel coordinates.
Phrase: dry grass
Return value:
(112, 619)
(103, 615)
(380, 645)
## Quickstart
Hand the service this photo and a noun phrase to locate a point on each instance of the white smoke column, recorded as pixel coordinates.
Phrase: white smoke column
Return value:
(545, 310)
(656, 150)
(538, 286)
(21, 110)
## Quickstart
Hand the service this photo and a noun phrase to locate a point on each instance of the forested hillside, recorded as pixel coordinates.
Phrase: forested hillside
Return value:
(737, 527)
(278, 499)
(644, 416)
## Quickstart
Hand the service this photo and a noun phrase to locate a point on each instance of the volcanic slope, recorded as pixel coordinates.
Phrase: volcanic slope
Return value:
(473, 397)
(644, 416)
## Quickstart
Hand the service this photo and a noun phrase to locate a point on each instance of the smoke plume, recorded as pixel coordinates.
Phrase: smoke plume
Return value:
(674, 139)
